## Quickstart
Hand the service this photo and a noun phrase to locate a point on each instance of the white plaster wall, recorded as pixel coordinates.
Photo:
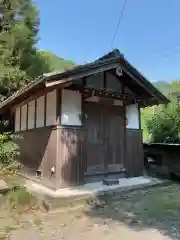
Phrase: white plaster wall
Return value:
(31, 114)
(132, 115)
(40, 112)
(51, 108)
(71, 108)
(17, 119)
(23, 117)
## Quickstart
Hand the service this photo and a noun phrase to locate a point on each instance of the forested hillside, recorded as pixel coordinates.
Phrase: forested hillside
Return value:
(20, 60)
(163, 86)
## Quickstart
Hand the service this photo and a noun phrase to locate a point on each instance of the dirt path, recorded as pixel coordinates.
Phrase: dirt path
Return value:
(145, 214)
(88, 232)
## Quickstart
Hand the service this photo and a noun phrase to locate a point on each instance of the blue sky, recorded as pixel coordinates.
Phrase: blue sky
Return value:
(82, 30)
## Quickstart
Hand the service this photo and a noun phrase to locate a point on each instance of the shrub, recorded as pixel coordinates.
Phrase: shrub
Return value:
(21, 199)
(9, 151)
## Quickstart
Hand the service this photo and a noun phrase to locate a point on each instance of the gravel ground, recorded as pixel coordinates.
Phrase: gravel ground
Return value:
(150, 214)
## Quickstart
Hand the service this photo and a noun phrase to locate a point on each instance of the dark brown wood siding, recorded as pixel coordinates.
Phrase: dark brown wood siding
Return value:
(38, 151)
(70, 160)
(134, 152)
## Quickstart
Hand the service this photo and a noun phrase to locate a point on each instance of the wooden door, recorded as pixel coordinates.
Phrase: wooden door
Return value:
(104, 138)
(113, 139)
(94, 139)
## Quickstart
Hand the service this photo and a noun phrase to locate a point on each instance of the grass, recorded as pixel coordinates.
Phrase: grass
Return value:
(17, 211)
(21, 199)
(143, 206)
(160, 204)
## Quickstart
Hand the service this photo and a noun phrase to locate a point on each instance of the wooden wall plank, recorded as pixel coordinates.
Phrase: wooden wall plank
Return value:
(38, 152)
(70, 163)
(134, 152)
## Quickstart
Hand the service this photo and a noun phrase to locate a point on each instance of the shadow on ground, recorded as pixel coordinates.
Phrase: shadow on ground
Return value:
(157, 208)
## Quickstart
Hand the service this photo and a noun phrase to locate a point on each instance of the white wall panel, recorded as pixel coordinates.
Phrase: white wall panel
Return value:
(71, 108)
(132, 115)
(17, 119)
(31, 114)
(40, 112)
(23, 117)
(51, 108)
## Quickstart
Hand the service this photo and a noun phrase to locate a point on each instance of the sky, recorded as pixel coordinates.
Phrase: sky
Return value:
(82, 31)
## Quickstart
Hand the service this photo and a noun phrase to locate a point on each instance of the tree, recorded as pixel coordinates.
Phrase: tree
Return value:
(54, 62)
(164, 125)
(18, 35)
(20, 60)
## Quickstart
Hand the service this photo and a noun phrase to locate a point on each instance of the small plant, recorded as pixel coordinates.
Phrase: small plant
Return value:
(21, 199)
(37, 221)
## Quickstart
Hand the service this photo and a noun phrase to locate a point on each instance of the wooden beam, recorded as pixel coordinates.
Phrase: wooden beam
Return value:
(138, 81)
(88, 92)
(83, 74)
(63, 83)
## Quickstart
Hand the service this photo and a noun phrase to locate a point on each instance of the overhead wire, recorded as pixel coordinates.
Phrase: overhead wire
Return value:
(118, 24)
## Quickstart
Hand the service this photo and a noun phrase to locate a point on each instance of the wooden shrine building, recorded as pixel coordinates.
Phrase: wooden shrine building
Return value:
(82, 124)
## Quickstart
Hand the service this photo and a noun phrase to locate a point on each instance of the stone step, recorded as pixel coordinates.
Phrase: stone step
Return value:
(110, 181)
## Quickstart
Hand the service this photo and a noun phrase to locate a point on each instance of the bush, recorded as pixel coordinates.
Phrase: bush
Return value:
(9, 151)
(164, 126)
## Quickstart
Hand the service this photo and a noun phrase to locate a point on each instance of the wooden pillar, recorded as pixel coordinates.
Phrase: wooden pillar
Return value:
(83, 164)
(20, 110)
(35, 112)
(45, 107)
(125, 137)
(27, 113)
(58, 106)
(105, 131)
(141, 139)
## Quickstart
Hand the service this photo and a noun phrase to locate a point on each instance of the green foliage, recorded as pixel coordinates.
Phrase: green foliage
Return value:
(163, 122)
(9, 151)
(164, 126)
(20, 61)
(18, 31)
